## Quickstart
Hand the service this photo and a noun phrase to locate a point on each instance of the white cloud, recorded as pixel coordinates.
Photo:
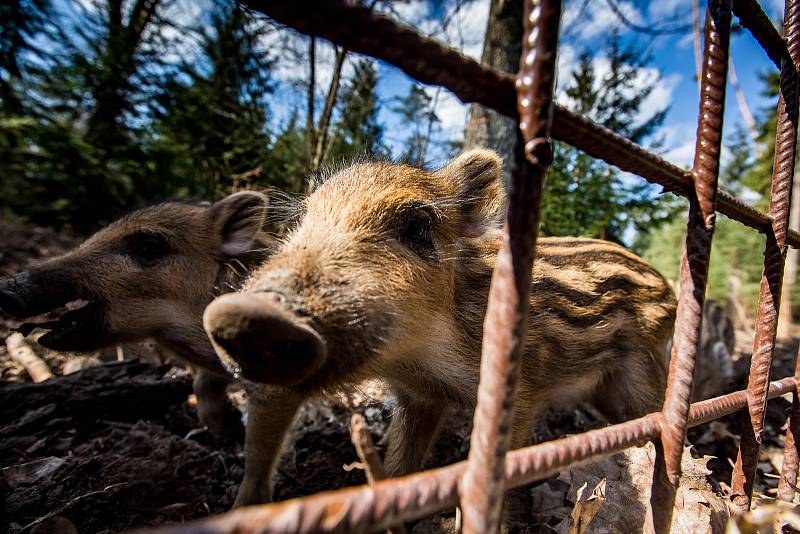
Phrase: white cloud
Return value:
(291, 52)
(659, 98)
(679, 142)
(462, 25)
(584, 21)
(183, 14)
(450, 110)
(671, 8)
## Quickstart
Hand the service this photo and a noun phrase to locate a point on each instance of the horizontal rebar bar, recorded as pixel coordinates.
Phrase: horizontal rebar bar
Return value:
(435, 64)
(753, 17)
(708, 410)
(377, 507)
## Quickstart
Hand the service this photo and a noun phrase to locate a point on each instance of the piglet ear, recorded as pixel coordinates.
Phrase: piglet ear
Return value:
(238, 219)
(476, 175)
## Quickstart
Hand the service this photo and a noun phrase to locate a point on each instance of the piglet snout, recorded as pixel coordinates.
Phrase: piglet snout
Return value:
(14, 293)
(261, 341)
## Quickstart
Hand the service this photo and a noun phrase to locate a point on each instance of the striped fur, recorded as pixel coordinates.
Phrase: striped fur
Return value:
(413, 314)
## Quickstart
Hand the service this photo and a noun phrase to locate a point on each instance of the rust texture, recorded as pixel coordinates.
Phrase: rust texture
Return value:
(788, 482)
(708, 410)
(752, 17)
(377, 507)
(432, 63)
(694, 265)
(504, 326)
(769, 300)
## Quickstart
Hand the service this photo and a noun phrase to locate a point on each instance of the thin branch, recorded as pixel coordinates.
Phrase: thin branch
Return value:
(747, 115)
(649, 30)
(369, 457)
(325, 119)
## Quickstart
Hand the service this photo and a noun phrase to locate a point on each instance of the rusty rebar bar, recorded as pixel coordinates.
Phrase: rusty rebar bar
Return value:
(505, 323)
(375, 507)
(769, 300)
(432, 63)
(791, 449)
(694, 265)
(704, 411)
(752, 17)
(372, 508)
(788, 481)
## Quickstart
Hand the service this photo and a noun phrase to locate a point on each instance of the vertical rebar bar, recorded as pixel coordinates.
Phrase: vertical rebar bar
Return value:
(791, 21)
(769, 300)
(694, 265)
(483, 485)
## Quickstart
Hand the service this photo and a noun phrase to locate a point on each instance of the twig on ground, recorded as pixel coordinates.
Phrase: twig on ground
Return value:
(368, 454)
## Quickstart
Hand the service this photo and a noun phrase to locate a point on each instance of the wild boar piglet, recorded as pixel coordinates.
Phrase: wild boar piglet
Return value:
(387, 274)
(150, 274)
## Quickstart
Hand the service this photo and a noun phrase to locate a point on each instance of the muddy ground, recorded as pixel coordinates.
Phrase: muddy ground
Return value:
(112, 445)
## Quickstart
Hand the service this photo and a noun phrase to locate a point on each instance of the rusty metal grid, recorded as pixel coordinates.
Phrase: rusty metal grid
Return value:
(479, 483)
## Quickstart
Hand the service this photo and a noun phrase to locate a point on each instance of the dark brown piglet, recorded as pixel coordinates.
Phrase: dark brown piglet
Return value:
(150, 274)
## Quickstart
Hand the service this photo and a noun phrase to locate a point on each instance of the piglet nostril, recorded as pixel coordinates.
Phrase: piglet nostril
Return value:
(262, 341)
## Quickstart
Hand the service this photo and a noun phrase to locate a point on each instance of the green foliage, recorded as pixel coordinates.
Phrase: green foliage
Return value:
(79, 159)
(288, 160)
(736, 251)
(585, 196)
(416, 112)
(20, 22)
(100, 112)
(211, 116)
(358, 115)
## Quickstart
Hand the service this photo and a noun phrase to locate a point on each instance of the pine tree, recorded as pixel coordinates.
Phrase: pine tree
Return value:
(585, 196)
(80, 158)
(21, 21)
(288, 157)
(212, 115)
(417, 112)
(358, 117)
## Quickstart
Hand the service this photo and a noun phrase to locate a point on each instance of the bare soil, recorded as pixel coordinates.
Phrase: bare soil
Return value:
(116, 445)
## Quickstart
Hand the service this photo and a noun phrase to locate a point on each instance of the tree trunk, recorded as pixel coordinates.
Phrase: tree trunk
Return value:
(501, 50)
(111, 95)
(312, 66)
(325, 120)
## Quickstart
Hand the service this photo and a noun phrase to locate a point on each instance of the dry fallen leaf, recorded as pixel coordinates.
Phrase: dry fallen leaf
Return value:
(766, 519)
(586, 509)
(626, 504)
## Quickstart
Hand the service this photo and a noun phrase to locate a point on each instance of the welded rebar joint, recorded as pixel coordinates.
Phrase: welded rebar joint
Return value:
(483, 485)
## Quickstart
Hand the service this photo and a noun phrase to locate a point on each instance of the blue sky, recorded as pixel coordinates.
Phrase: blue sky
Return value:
(673, 61)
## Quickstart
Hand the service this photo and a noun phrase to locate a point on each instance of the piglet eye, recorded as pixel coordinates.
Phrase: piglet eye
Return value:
(146, 248)
(416, 232)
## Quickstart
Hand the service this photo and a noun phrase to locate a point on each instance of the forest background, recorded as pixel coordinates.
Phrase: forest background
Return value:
(108, 105)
